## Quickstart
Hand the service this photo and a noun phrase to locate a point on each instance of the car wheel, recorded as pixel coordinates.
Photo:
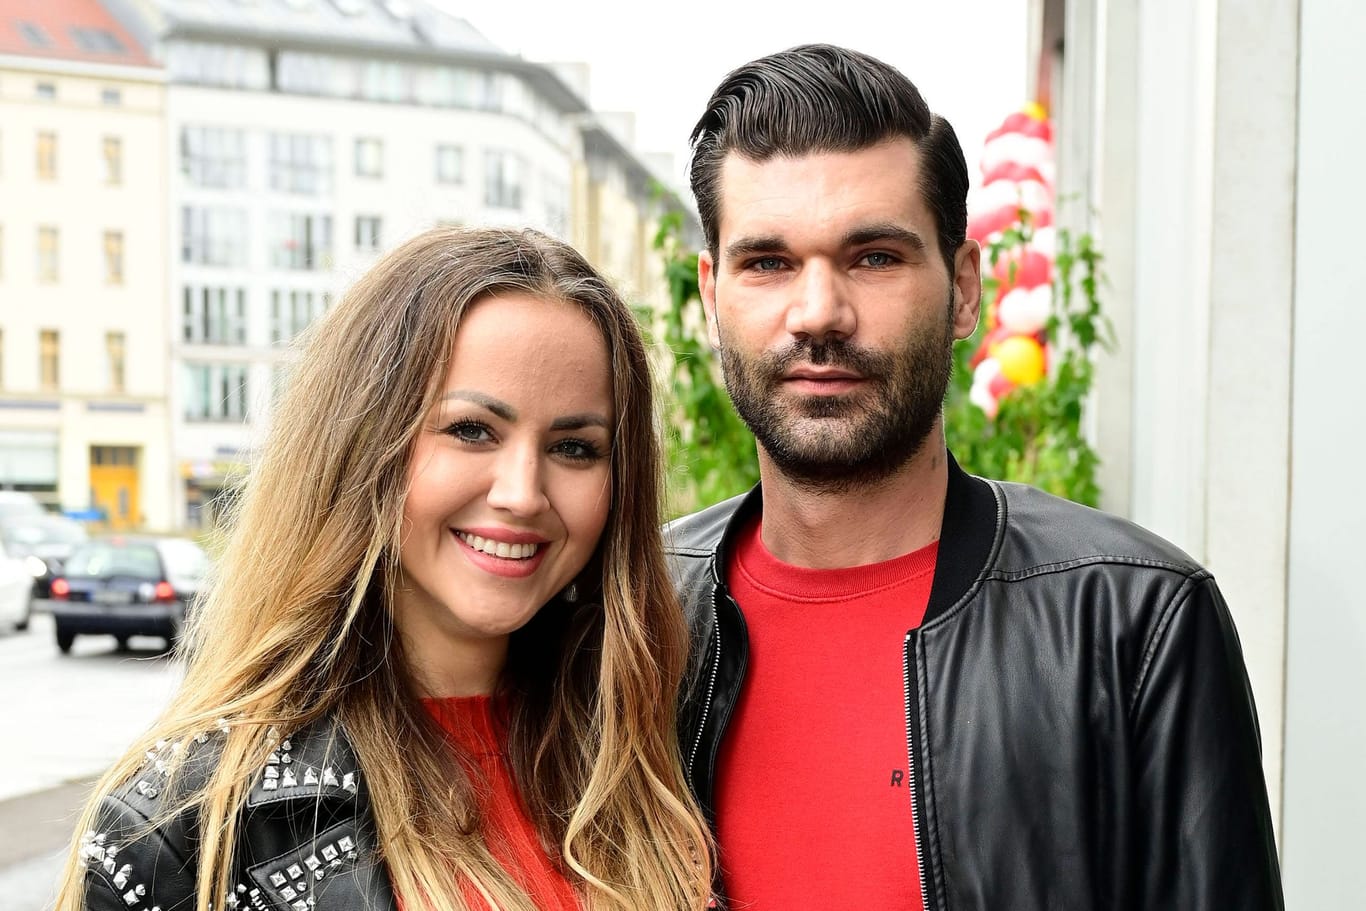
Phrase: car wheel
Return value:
(22, 623)
(65, 638)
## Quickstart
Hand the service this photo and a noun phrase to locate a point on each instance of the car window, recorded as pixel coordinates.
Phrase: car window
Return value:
(102, 559)
(15, 504)
(44, 533)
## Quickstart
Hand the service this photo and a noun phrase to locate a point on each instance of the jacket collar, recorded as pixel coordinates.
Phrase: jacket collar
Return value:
(968, 539)
(316, 763)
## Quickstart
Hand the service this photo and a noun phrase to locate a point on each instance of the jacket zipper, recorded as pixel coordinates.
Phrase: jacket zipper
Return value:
(926, 901)
(711, 686)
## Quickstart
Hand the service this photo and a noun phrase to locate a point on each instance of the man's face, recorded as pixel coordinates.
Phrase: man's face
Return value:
(833, 311)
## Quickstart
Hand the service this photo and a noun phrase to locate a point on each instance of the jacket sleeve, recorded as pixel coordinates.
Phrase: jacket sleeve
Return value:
(133, 865)
(1203, 834)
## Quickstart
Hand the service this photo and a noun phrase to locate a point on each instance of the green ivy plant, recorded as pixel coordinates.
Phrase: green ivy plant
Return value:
(709, 452)
(1037, 436)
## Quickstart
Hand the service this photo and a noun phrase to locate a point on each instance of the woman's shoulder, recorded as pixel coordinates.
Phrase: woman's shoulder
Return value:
(141, 851)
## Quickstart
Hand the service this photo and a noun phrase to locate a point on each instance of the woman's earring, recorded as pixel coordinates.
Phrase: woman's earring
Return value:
(571, 593)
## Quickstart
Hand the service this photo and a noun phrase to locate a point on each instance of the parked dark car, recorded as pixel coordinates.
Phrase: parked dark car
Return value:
(127, 586)
(44, 542)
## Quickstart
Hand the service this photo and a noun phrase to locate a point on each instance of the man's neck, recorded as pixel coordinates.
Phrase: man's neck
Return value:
(840, 527)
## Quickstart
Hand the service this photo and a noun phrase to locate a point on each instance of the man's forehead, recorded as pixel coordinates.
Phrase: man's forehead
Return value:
(822, 190)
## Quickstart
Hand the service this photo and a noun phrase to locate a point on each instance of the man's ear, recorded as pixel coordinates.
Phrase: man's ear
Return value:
(967, 288)
(706, 286)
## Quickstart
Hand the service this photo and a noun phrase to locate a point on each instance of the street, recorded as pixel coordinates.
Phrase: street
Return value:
(65, 718)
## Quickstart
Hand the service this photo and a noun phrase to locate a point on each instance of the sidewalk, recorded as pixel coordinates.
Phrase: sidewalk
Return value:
(40, 823)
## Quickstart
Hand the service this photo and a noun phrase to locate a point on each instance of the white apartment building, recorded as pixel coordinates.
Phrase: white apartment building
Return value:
(83, 375)
(304, 137)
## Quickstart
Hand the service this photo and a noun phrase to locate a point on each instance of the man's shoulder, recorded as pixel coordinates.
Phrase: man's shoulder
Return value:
(698, 534)
(1040, 529)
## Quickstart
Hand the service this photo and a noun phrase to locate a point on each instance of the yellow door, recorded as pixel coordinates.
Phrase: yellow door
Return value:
(114, 485)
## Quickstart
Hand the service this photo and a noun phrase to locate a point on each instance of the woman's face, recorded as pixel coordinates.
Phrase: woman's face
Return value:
(508, 487)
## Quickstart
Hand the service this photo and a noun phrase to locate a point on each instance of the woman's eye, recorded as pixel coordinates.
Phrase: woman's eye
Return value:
(469, 432)
(577, 450)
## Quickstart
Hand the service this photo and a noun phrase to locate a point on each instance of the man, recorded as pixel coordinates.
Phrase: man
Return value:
(915, 688)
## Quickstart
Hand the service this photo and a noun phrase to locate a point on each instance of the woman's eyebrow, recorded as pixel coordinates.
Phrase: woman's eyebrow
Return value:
(579, 421)
(497, 406)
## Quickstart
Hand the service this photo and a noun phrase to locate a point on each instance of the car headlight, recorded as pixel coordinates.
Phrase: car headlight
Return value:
(37, 568)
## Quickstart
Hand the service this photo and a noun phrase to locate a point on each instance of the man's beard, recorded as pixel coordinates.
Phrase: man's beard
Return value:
(842, 442)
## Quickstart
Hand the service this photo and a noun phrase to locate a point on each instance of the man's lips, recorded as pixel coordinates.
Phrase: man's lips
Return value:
(821, 381)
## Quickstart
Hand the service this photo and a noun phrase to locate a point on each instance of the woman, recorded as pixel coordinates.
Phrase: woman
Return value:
(438, 669)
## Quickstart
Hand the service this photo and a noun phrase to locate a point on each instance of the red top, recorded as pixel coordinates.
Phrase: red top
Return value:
(480, 730)
(813, 805)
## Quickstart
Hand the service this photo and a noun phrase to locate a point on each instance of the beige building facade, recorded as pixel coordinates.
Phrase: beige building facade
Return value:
(83, 369)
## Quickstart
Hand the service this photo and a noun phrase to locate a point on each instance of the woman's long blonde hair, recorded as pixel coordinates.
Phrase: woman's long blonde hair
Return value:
(298, 625)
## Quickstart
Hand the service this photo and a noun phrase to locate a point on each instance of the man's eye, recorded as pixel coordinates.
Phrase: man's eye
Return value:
(767, 264)
(877, 259)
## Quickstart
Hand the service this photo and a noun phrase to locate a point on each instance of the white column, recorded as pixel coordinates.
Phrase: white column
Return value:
(1325, 790)
(1192, 191)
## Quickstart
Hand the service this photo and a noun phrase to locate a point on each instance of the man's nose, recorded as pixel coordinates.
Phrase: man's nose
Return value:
(822, 308)
(518, 484)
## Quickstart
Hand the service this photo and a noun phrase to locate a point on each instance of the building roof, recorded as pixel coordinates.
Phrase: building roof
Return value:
(405, 29)
(81, 30)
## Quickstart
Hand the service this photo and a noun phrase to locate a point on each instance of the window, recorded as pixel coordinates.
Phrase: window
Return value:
(214, 157)
(214, 315)
(49, 359)
(369, 158)
(300, 163)
(2, 251)
(231, 66)
(34, 35)
(47, 156)
(386, 80)
(111, 96)
(300, 241)
(46, 91)
(291, 312)
(113, 160)
(368, 229)
(503, 180)
(114, 361)
(97, 40)
(47, 254)
(215, 392)
(450, 164)
(2, 358)
(213, 236)
(113, 257)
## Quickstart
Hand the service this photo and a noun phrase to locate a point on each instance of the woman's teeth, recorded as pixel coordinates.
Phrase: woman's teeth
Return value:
(498, 548)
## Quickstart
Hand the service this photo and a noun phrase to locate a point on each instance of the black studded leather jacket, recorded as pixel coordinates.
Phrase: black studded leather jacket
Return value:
(1079, 722)
(307, 838)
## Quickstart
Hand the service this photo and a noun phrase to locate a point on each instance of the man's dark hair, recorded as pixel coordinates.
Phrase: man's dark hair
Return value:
(821, 98)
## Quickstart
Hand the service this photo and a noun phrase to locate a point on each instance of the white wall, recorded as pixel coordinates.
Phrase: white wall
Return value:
(1182, 153)
(1325, 789)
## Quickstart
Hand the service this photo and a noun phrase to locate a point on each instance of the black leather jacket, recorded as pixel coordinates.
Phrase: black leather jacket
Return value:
(1080, 725)
(307, 838)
